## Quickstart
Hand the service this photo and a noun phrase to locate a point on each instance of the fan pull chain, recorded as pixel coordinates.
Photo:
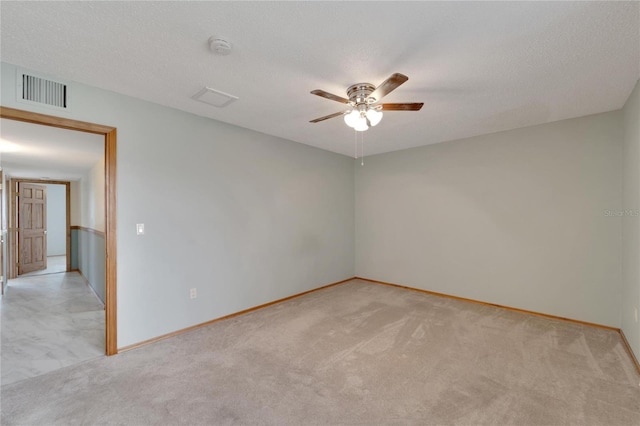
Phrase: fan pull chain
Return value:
(355, 144)
(362, 156)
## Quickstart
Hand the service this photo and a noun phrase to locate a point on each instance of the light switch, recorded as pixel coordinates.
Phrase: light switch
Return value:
(139, 228)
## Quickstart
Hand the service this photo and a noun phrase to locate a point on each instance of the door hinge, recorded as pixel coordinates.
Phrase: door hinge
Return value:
(17, 194)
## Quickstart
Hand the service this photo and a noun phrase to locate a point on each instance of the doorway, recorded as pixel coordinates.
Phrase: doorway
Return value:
(49, 250)
(109, 134)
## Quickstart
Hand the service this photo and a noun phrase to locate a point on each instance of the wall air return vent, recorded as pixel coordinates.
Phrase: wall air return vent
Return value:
(37, 90)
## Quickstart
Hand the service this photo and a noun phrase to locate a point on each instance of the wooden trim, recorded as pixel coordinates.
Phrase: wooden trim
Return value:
(68, 207)
(50, 120)
(629, 350)
(478, 302)
(12, 251)
(90, 230)
(42, 181)
(110, 141)
(110, 296)
(246, 311)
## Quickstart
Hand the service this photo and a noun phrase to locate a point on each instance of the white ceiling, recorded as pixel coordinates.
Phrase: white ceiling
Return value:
(479, 67)
(35, 151)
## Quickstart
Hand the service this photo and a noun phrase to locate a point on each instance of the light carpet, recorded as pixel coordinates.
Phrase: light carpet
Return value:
(48, 322)
(354, 354)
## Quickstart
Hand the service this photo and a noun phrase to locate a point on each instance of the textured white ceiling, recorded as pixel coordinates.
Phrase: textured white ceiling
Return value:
(35, 151)
(479, 67)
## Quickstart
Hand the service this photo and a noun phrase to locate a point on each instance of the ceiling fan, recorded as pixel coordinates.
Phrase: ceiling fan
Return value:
(364, 111)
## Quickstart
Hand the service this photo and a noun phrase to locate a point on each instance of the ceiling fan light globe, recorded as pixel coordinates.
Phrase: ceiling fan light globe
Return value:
(374, 116)
(352, 118)
(361, 125)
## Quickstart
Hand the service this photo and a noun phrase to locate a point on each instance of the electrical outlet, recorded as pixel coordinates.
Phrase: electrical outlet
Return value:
(139, 228)
(193, 293)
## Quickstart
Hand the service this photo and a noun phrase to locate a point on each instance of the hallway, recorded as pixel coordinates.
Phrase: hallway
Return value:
(49, 322)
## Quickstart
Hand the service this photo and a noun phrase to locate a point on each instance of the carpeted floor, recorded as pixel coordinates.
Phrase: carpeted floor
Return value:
(354, 354)
(48, 322)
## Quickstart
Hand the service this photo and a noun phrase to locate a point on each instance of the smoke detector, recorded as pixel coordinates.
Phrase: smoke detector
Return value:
(219, 45)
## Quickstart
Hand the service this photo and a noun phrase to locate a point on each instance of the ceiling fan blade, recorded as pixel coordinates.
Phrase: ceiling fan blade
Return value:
(389, 85)
(329, 96)
(326, 117)
(409, 106)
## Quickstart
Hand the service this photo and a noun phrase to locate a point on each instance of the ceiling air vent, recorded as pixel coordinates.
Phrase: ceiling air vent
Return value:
(41, 91)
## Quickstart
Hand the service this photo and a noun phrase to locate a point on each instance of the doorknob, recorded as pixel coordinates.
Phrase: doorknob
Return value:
(45, 232)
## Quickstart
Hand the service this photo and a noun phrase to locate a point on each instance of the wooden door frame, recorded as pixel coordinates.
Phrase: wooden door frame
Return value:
(109, 133)
(13, 214)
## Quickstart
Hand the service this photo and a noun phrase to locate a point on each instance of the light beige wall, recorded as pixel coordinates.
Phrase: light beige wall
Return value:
(92, 197)
(56, 219)
(74, 202)
(87, 199)
(516, 218)
(631, 221)
(245, 217)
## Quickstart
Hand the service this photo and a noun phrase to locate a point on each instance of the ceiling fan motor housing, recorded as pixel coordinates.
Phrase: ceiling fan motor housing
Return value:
(360, 93)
